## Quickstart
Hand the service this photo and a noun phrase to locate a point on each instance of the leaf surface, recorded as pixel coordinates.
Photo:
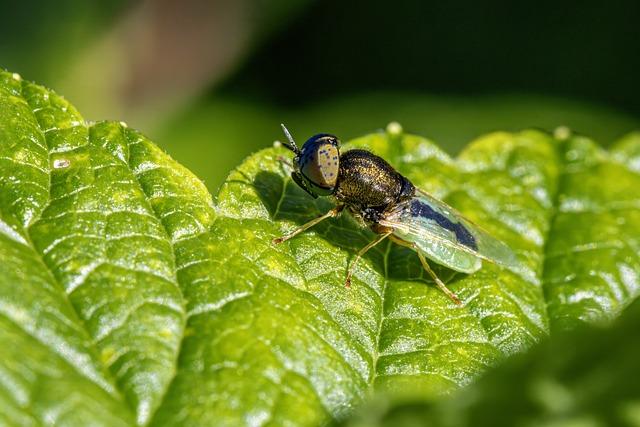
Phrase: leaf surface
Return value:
(316, 349)
(127, 296)
(586, 378)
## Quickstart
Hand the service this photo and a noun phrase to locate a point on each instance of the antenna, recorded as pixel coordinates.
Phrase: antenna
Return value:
(292, 144)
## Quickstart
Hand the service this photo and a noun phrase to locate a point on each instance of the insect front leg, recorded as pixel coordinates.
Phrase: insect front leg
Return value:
(332, 213)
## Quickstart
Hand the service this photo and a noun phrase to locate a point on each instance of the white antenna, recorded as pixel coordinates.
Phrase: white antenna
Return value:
(292, 144)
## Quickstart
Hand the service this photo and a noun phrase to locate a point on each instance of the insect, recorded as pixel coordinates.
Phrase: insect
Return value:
(373, 192)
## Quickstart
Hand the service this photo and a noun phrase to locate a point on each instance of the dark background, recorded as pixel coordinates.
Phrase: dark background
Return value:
(211, 80)
(586, 50)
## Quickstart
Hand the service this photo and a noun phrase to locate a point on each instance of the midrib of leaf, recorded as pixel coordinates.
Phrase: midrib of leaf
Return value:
(175, 233)
(396, 151)
(123, 136)
(184, 207)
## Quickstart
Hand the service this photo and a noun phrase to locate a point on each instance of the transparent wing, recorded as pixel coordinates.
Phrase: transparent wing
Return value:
(447, 236)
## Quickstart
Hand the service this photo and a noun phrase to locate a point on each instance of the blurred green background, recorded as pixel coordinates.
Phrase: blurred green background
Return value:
(210, 81)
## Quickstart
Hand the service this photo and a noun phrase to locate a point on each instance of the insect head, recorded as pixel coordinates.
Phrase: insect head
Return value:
(316, 165)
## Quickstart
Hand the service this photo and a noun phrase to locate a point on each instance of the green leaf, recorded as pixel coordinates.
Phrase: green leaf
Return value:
(588, 378)
(140, 301)
(91, 308)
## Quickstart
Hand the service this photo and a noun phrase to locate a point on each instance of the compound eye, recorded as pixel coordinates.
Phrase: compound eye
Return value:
(320, 166)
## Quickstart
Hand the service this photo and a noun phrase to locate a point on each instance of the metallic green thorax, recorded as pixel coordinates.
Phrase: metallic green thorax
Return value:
(368, 185)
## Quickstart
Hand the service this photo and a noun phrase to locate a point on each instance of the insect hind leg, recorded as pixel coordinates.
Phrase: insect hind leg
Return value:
(437, 280)
(426, 266)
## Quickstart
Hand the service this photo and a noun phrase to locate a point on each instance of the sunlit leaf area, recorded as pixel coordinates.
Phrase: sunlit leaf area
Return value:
(142, 186)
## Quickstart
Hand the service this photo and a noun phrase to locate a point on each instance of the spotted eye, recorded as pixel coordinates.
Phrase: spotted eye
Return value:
(319, 163)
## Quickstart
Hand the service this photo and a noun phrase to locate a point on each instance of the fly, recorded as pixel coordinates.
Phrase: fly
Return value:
(372, 191)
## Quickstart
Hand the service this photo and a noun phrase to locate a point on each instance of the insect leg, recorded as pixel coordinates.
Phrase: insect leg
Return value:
(362, 251)
(426, 266)
(332, 213)
(438, 282)
(285, 161)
